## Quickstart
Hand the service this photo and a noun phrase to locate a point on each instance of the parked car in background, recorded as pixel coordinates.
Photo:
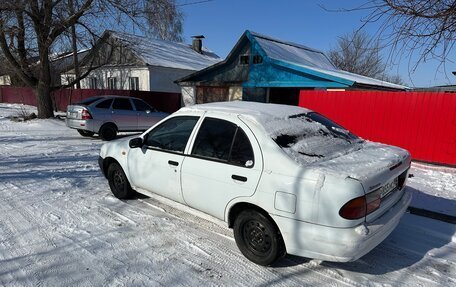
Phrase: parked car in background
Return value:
(286, 179)
(107, 115)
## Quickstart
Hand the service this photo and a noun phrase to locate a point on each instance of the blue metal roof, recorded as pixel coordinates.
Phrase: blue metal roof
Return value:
(287, 64)
(309, 61)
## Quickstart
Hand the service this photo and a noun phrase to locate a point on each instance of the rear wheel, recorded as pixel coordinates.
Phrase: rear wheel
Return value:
(108, 132)
(118, 182)
(86, 133)
(258, 238)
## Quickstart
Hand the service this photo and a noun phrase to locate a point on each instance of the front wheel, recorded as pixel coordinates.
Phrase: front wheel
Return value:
(118, 182)
(258, 238)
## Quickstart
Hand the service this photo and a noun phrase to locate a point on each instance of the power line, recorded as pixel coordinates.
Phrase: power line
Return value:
(193, 3)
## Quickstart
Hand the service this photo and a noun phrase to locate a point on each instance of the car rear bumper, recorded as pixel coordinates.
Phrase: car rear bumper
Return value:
(87, 125)
(78, 124)
(340, 244)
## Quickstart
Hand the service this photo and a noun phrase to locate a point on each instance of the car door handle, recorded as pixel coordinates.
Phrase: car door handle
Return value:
(171, 162)
(238, 177)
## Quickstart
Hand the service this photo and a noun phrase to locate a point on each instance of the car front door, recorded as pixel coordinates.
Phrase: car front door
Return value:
(147, 115)
(225, 163)
(123, 115)
(156, 167)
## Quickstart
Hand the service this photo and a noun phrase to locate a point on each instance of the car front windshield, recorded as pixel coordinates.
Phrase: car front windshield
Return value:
(311, 137)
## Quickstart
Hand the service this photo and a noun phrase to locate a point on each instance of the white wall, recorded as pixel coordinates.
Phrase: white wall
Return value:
(162, 79)
(5, 80)
(188, 95)
(153, 78)
(122, 74)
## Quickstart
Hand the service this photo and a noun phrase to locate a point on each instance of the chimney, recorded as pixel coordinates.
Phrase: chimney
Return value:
(197, 43)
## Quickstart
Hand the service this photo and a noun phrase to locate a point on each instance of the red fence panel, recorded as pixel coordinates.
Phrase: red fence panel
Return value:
(167, 102)
(422, 122)
(24, 96)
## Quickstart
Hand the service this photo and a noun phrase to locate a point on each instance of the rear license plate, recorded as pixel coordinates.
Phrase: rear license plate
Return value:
(388, 188)
(74, 115)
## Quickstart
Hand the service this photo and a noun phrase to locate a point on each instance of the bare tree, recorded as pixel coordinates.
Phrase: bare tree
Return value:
(358, 53)
(165, 20)
(32, 31)
(410, 27)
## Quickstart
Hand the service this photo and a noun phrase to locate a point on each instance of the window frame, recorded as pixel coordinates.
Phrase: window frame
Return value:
(229, 162)
(244, 56)
(93, 83)
(114, 81)
(119, 98)
(152, 109)
(135, 85)
(189, 140)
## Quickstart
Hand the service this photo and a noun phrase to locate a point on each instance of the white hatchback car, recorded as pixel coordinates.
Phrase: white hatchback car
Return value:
(286, 179)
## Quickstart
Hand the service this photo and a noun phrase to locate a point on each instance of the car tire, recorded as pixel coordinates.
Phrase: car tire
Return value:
(86, 133)
(118, 182)
(258, 238)
(108, 132)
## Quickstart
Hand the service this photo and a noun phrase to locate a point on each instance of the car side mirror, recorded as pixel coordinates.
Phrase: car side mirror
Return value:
(135, 143)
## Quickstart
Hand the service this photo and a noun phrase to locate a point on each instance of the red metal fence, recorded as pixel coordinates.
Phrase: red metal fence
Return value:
(167, 102)
(422, 122)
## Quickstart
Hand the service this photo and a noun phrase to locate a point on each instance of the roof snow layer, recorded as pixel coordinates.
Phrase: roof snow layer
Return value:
(169, 54)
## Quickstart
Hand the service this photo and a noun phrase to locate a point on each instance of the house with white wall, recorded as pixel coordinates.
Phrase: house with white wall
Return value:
(121, 61)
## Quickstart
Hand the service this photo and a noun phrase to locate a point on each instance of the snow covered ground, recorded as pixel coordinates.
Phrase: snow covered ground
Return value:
(60, 226)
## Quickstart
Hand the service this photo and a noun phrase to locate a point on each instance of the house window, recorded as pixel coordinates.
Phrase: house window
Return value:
(70, 79)
(257, 59)
(93, 83)
(244, 59)
(112, 83)
(134, 83)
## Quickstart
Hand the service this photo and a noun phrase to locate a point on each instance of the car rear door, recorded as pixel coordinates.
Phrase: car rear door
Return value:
(123, 115)
(156, 167)
(225, 163)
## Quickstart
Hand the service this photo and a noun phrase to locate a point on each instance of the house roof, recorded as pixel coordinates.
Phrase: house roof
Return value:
(308, 58)
(169, 54)
(303, 59)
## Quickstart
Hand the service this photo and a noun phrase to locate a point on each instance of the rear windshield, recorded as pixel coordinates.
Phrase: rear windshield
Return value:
(311, 137)
(88, 101)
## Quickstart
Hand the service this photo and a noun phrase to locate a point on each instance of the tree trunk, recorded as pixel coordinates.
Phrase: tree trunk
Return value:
(43, 89)
(43, 97)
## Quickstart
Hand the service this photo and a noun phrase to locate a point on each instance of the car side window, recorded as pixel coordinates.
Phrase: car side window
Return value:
(122, 104)
(142, 106)
(223, 141)
(241, 152)
(214, 139)
(172, 135)
(106, 104)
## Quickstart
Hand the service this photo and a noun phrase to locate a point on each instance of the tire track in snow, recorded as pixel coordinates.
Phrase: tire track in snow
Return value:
(224, 246)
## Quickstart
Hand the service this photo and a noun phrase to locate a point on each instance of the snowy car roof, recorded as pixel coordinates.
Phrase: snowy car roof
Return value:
(258, 111)
(170, 54)
(312, 59)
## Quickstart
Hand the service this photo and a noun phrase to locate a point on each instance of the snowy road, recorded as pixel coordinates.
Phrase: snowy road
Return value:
(60, 226)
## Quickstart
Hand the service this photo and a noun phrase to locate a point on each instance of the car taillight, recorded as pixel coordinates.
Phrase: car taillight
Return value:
(85, 115)
(354, 209)
(361, 206)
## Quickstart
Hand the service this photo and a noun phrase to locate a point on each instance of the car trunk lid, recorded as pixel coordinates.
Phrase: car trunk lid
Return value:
(381, 170)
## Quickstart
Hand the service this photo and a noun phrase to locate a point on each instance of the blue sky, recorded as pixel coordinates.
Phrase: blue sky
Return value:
(222, 22)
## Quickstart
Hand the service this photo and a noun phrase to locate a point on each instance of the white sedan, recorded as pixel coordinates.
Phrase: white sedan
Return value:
(286, 179)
